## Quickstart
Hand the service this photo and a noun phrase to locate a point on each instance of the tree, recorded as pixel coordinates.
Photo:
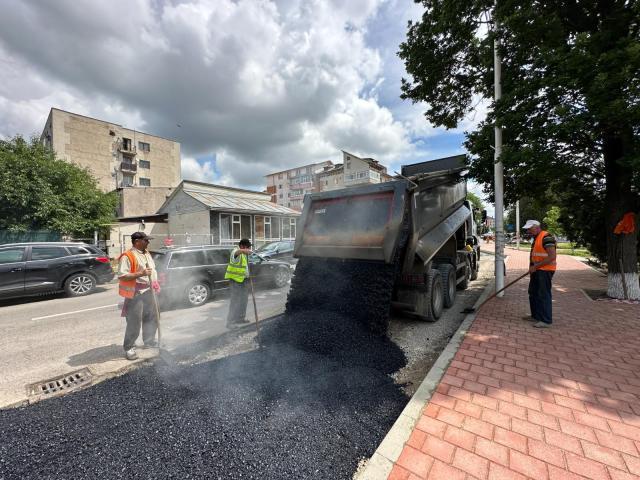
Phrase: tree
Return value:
(40, 192)
(552, 221)
(478, 207)
(570, 107)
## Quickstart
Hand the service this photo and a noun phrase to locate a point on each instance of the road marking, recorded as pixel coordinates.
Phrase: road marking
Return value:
(77, 311)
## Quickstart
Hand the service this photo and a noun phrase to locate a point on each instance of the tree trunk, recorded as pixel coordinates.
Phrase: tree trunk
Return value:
(622, 254)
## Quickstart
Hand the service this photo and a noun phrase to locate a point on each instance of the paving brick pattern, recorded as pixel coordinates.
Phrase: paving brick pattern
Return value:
(518, 402)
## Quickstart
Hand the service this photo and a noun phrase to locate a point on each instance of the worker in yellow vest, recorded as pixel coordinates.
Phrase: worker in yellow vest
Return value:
(237, 274)
(136, 277)
(542, 266)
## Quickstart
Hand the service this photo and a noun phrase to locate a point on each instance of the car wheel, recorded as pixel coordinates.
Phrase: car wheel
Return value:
(281, 277)
(198, 293)
(79, 284)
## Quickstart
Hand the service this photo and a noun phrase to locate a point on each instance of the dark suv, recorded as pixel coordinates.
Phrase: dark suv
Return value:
(191, 274)
(281, 250)
(46, 267)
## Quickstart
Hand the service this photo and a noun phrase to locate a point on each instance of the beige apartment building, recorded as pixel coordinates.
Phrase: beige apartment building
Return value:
(288, 187)
(140, 166)
(352, 171)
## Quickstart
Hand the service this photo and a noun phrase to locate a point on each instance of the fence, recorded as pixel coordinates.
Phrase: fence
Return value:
(29, 236)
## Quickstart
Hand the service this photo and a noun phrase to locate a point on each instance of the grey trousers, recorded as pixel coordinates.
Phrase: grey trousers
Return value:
(141, 312)
(238, 302)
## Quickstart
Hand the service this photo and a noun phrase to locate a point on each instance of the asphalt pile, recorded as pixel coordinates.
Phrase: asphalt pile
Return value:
(274, 413)
(358, 290)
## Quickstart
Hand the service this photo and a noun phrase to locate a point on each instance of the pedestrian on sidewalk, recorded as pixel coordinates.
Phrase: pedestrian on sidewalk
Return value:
(542, 266)
(237, 274)
(137, 276)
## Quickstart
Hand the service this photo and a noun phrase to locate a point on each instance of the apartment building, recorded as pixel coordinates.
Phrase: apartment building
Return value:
(119, 158)
(352, 171)
(288, 187)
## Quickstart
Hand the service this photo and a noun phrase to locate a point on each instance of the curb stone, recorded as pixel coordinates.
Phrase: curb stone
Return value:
(379, 466)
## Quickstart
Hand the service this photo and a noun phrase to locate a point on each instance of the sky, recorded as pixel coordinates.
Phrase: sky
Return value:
(248, 87)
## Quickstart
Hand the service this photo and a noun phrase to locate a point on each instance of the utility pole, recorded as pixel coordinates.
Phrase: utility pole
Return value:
(498, 171)
(518, 224)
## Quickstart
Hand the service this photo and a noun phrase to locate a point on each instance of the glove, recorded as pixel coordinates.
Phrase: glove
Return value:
(156, 286)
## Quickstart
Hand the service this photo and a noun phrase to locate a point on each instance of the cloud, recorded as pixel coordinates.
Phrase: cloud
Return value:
(261, 85)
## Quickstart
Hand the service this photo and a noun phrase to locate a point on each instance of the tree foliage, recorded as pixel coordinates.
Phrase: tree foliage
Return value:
(40, 192)
(570, 107)
(478, 207)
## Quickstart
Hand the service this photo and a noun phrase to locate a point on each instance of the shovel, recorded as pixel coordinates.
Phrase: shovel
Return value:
(471, 309)
(162, 352)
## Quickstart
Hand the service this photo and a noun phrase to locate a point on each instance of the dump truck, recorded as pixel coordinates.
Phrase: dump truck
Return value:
(408, 245)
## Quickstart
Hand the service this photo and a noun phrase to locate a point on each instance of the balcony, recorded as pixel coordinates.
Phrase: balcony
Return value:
(128, 167)
(127, 149)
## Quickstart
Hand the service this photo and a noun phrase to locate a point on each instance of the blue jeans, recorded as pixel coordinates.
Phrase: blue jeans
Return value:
(540, 295)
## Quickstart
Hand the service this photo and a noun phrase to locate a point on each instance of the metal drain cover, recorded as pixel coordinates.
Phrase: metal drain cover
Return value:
(62, 384)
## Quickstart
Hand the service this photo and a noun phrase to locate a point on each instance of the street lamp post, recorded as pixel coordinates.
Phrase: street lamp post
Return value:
(498, 173)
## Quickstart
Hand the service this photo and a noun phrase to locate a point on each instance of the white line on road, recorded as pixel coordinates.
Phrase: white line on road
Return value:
(77, 311)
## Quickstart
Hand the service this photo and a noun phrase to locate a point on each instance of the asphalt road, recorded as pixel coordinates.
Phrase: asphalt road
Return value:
(44, 337)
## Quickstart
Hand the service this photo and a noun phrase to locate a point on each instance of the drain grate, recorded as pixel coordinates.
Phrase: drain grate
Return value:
(58, 385)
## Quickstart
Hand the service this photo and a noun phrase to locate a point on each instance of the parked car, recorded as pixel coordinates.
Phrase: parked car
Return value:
(193, 274)
(282, 250)
(37, 268)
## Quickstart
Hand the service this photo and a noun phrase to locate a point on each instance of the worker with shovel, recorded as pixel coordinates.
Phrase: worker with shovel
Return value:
(542, 266)
(137, 277)
(237, 274)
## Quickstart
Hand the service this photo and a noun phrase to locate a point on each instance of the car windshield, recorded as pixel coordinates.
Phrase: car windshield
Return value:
(268, 248)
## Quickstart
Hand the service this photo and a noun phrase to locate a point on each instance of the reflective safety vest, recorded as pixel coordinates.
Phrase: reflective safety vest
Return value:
(237, 269)
(538, 253)
(127, 288)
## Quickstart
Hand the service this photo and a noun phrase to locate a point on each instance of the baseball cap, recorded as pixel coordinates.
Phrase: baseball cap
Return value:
(531, 223)
(140, 236)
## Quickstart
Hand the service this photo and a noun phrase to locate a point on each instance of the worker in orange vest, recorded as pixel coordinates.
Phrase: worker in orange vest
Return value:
(542, 266)
(137, 276)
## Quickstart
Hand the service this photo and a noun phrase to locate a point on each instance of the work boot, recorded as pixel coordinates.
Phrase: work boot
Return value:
(528, 318)
(131, 354)
(153, 344)
(541, 325)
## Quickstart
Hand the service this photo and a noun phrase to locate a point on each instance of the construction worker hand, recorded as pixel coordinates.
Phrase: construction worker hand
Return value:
(144, 273)
(532, 268)
(156, 286)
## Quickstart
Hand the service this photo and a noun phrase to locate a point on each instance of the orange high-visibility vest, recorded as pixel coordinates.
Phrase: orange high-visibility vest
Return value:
(127, 288)
(538, 253)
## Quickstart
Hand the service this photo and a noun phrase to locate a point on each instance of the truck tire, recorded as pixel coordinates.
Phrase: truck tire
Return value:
(449, 288)
(432, 301)
(464, 284)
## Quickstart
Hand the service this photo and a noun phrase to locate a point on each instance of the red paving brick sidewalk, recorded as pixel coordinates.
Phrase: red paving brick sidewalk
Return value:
(519, 402)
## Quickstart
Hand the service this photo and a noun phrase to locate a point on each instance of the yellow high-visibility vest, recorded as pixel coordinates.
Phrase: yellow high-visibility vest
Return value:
(237, 269)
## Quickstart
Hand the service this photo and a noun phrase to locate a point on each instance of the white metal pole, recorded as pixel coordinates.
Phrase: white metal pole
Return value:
(498, 174)
(518, 224)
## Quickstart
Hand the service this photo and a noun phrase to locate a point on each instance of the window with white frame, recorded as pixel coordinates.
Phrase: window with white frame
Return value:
(234, 227)
(267, 227)
(363, 174)
(288, 228)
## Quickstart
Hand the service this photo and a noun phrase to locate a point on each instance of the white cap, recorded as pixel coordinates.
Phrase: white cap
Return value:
(531, 223)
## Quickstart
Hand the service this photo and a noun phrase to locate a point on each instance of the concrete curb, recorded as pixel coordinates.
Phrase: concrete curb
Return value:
(381, 463)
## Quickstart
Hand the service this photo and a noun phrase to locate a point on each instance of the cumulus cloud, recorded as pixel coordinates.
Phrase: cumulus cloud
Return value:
(261, 85)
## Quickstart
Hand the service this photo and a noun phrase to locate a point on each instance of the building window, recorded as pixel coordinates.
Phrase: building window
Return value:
(126, 143)
(234, 227)
(280, 186)
(127, 180)
(144, 163)
(288, 228)
(363, 174)
(280, 196)
(143, 146)
(279, 176)
(145, 182)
